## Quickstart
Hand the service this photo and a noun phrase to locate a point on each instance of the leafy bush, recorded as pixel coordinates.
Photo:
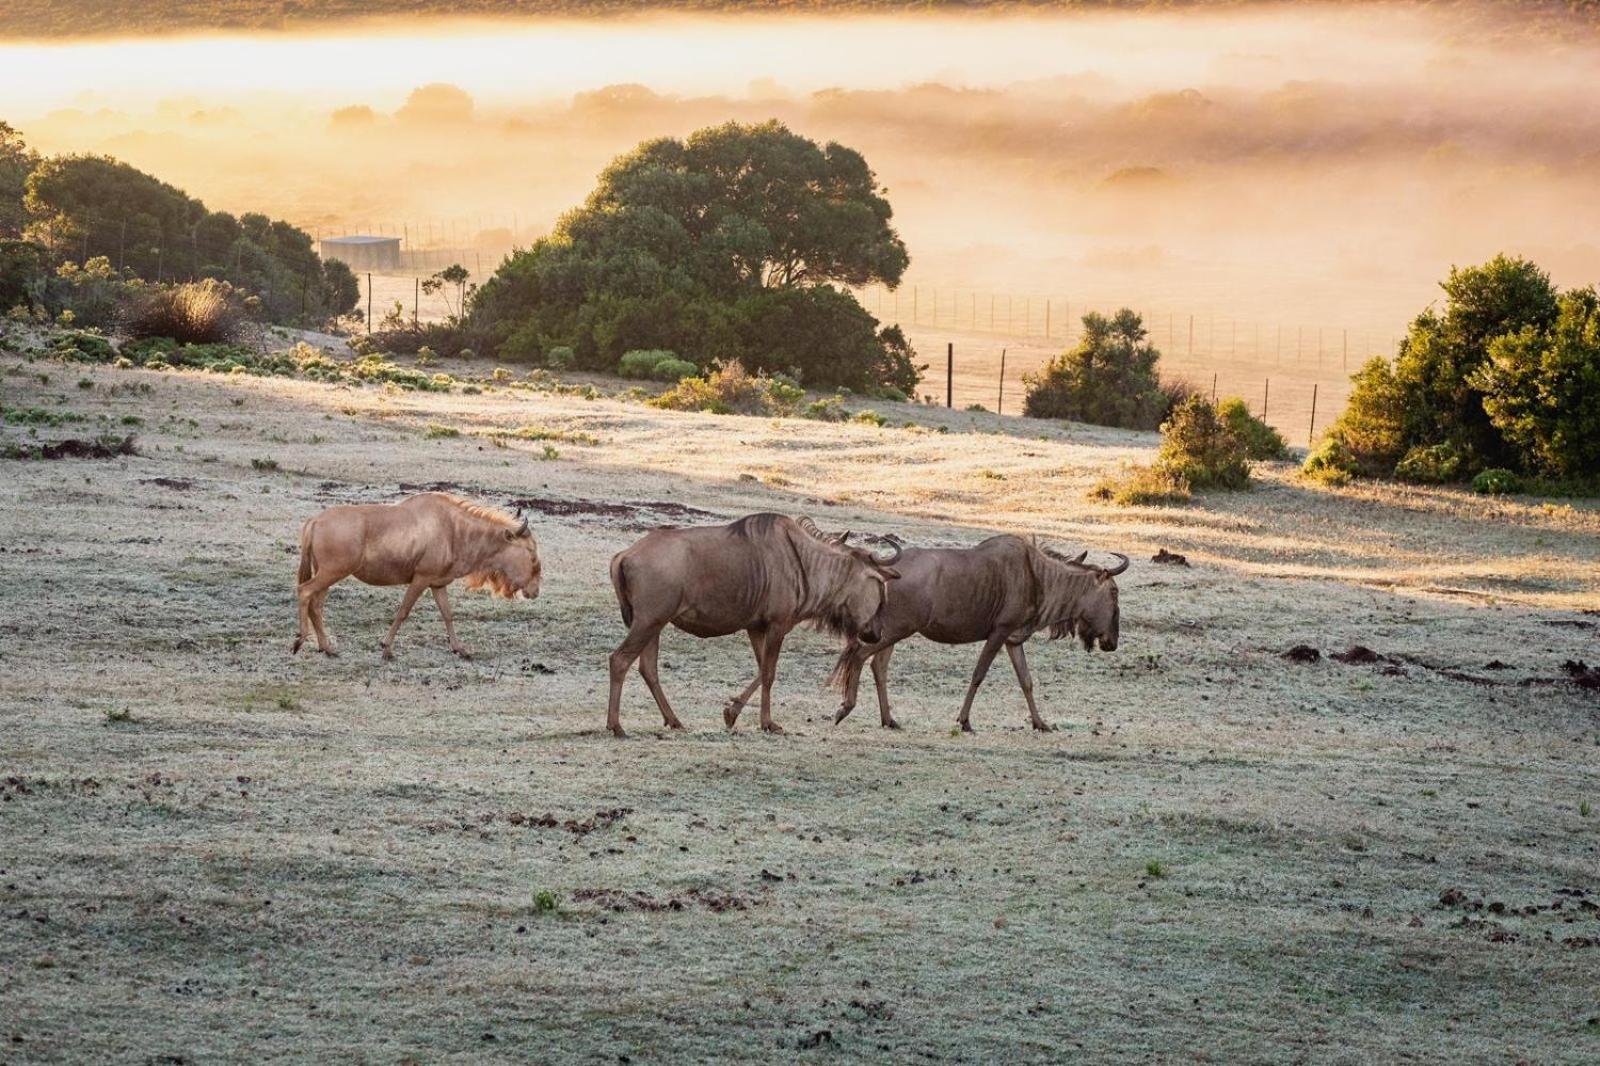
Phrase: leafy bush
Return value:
(1430, 464)
(656, 363)
(868, 418)
(1507, 375)
(1497, 481)
(1143, 485)
(1332, 462)
(560, 357)
(1261, 441)
(730, 389)
(827, 409)
(1541, 389)
(1109, 379)
(80, 347)
(204, 312)
(1198, 445)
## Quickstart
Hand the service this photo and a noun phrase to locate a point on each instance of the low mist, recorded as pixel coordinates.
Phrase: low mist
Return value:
(1274, 165)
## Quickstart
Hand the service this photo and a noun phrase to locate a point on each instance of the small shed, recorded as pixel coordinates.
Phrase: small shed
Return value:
(362, 252)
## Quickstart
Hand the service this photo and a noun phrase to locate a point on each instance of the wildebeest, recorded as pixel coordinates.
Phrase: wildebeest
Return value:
(423, 542)
(1001, 592)
(764, 574)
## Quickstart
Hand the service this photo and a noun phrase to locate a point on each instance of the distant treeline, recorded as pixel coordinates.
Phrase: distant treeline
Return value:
(22, 19)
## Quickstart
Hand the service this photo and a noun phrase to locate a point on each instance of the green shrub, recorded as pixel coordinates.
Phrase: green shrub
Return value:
(560, 357)
(1497, 482)
(1430, 464)
(1198, 445)
(1332, 462)
(868, 418)
(1109, 379)
(1142, 485)
(674, 370)
(1261, 441)
(82, 347)
(730, 389)
(641, 362)
(1541, 389)
(827, 409)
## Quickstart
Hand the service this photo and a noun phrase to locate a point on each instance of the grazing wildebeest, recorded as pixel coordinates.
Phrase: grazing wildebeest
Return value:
(1001, 592)
(764, 574)
(422, 542)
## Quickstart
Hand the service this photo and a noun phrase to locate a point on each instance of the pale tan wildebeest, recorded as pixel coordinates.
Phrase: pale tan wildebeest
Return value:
(764, 574)
(423, 542)
(1001, 591)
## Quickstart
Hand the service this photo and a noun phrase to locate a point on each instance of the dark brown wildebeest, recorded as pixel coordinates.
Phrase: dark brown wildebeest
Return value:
(1001, 592)
(422, 542)
(764, 574)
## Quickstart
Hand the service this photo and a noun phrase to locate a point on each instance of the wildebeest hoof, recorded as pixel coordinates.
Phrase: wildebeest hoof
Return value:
(966, 727)
(730, 712)
(1042, 726)
(462, 653)
(388, 652)
(294, 649)
(771, 727)
(841, 714)
(890, 723)
(674, 724)
(330, 651)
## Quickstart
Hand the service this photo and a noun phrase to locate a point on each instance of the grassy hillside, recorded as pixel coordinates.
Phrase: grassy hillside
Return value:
(214, 851)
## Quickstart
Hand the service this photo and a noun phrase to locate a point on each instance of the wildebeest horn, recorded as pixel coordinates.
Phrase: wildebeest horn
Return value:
(889, 560)
(1120, 567)
(522, 530)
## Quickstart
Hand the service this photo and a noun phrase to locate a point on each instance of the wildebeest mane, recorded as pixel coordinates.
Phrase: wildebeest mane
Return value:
(488, 514)
(752, 526)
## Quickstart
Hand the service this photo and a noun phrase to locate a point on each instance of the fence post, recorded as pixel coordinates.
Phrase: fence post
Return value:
(1000, 404)
(950, 374)
(416, 301)
(1312, 434)
(1266, 387)
(369, 301)
(1047, 320)
(1213, 390)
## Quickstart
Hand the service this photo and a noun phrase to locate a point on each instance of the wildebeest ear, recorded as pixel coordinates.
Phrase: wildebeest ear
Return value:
(888, 572)
(1081, 556)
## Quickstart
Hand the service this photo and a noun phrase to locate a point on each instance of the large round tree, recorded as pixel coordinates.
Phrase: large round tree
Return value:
(718, 247)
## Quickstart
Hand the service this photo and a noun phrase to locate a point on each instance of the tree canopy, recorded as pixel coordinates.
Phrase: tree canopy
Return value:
(82, 207)
(724, 246)
(1109, 379)
(1506, 375)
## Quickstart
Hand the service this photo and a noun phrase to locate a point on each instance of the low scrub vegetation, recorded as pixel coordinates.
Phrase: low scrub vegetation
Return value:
(657, 364)
(1506, 377)
(1202, 447)
(203, 312)
(1109, 379)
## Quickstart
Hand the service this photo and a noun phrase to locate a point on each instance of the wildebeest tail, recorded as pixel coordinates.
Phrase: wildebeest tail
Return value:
(308, 562)
(619, 583)
(841, 669)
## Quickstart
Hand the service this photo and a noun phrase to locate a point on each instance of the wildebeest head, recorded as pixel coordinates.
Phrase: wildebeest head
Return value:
(857, 609)
(1099, 618)
(517, 562)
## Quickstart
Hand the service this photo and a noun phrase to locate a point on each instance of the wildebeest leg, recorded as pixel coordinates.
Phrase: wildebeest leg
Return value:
(648, 670)
(731, 709)
(311, 594)
(991, 648)
(442, 598)
(758, 644)
(639, 637)
(1019, 663)
(408, 601)
(880, 677)
(769, 673)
